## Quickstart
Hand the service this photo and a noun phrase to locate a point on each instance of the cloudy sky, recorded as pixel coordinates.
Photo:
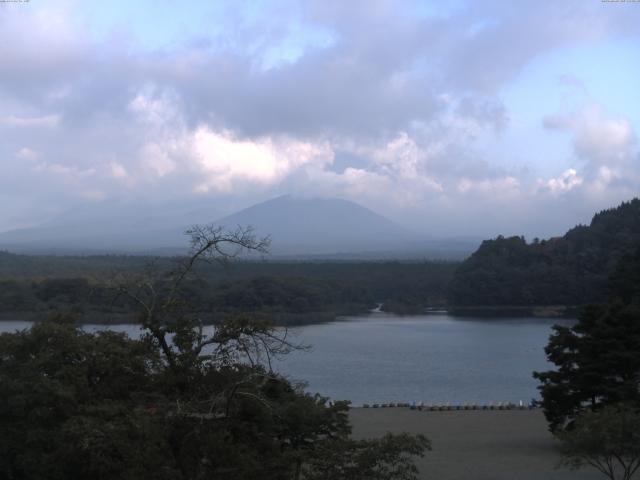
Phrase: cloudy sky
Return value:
(454, 118)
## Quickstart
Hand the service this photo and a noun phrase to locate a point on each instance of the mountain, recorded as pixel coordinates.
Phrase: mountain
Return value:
(110, 227)
(568, 270)
(317, 228)
(320, 226)
(91, 237)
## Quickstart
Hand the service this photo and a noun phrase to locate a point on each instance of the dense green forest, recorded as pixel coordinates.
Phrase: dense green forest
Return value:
(568, 270)
(284, 292)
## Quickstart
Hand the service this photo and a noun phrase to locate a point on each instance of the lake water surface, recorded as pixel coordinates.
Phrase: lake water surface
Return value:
(433, 358)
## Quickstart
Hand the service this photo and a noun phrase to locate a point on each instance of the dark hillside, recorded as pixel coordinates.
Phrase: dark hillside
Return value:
(568, 270)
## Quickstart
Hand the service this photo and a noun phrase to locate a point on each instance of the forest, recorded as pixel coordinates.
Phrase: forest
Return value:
(568, 270)
(283, 292)
(176, 403)
(506, 273)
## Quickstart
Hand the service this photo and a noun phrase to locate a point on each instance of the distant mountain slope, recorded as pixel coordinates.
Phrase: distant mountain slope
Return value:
(77, 238)
(320, 226)
(310, 228)
(569, 270)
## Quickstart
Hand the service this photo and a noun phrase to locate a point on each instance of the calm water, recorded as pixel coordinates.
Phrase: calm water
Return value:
(432, 358)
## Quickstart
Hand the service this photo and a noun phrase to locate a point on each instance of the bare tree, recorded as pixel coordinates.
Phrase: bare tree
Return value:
(176, 328)
(171, 322)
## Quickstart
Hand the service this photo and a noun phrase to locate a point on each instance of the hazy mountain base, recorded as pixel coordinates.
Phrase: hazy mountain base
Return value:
(299, 228)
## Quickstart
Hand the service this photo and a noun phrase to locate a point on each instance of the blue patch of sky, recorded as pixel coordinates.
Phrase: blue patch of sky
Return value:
(438, 9)
(344, 160)
(152, 24)
(298, 39)
(562, 82)
(276, 35)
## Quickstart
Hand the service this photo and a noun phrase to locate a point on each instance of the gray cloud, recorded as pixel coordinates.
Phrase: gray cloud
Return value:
(394, 101)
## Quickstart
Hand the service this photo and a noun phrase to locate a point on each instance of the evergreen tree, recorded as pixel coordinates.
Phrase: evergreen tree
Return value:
(598, 359)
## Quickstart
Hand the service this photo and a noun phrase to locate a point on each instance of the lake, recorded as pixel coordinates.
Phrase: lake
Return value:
(435, 358)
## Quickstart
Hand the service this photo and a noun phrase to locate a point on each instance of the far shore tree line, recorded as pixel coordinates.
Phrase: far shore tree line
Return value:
(285, 293)
(568, 271)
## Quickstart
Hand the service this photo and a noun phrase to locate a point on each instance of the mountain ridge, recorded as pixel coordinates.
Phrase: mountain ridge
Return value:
(319, 225)
(298, 226)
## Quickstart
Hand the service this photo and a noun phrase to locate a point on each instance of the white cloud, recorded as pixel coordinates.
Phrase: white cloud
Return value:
(606, 146)
(401, 155)
(605, 140)
(494, 187)
(154, 107)
(68, 172)
(26, 153)
(156, 159)
(567, 181)
(409, 103)
(225, 160)
(117, 170)
(598, 138)
(45, 121)
(606, 175)
(381, 192)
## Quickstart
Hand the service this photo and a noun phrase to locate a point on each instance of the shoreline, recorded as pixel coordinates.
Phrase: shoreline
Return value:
(124, 318)
(289, 319)
(538, 311)
(449, 407)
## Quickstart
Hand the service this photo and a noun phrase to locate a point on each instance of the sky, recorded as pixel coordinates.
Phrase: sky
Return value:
(456, 118)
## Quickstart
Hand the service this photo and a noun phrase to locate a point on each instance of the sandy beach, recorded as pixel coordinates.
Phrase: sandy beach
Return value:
(475, 444)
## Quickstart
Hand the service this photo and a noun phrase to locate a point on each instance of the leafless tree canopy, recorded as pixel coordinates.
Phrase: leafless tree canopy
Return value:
(170, 322)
